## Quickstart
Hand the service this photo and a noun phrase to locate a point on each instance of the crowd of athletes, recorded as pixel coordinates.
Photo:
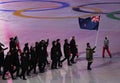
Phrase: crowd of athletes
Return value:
(20, 63)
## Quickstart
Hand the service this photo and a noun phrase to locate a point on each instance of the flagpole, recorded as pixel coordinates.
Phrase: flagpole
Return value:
(97, 35)
(96, 38)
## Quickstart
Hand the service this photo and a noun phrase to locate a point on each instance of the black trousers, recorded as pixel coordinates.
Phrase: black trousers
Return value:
(59, 61)
(54, 64)
(23, 72)
(7, 68)
(73, 56)
(1, 64)
(32, 67)
(42, 65)
(89, 65)
(66, 58)
(17, 70)
(0, 69)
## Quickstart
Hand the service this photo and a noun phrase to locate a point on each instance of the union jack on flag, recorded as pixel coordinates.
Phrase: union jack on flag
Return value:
(96, 18)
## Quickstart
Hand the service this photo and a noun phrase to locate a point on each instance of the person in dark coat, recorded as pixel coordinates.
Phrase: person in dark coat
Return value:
(54, 55)
(37, 48)
(33, 60)
(8, 66)
(73, 49)
(42, 56)
(66, 49)
(27, 53)
(1, 59)
(12, 44)
(24, 65)
(15, 61)
(46, 45)
(89, 55)
(59, 52)
(1, 56)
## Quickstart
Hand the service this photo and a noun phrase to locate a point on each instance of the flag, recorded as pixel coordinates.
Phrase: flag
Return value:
(90, 23)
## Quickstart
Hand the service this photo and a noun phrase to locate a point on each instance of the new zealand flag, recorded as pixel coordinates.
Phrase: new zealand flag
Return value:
(90, 23)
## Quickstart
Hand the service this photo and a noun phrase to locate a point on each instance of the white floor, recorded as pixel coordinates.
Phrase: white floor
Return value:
(63, 23)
